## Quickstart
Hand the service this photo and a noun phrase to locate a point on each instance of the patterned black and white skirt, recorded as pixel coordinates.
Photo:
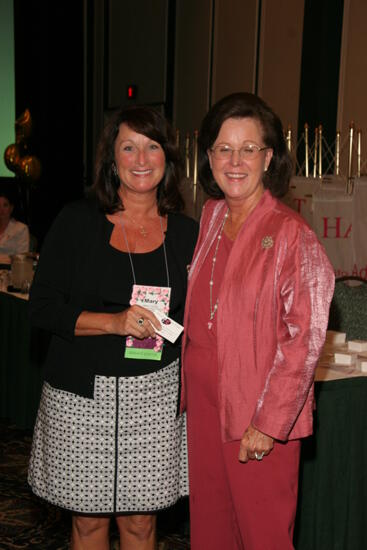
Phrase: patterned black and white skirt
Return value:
(123, 451)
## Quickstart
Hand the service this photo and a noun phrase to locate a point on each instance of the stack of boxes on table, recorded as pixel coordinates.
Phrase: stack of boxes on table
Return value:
(351, 352)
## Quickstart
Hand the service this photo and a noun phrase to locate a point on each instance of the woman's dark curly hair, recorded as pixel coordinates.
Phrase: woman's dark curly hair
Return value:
(245, 105)
(150, 123)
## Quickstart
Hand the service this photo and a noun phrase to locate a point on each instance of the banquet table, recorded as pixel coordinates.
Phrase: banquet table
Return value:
(22, 351)
(332, 504)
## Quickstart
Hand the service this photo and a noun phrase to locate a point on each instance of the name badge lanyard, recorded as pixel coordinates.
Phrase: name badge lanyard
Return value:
(147, 348)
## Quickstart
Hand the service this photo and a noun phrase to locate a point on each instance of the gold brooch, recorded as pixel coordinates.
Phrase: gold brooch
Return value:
(267, 242)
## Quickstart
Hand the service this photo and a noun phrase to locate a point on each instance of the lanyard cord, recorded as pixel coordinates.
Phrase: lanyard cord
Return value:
(130, 257)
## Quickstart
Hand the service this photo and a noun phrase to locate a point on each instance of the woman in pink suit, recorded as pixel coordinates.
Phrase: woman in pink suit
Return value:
(257, 308)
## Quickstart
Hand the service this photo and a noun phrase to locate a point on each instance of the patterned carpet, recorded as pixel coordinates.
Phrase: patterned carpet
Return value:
(27, 522)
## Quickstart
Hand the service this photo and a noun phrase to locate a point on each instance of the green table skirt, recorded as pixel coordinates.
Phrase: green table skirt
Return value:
(21, 354)
(332, 511)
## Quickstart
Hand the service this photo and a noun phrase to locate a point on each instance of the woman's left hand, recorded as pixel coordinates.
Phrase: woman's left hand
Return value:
(254, 445)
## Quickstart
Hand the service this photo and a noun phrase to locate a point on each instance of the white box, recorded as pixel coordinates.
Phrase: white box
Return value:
(362, 364)
(357, 345)
(335, 338)
(345, 358)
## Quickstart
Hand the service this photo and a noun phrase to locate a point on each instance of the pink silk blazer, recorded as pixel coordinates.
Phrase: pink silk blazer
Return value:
(271, 320)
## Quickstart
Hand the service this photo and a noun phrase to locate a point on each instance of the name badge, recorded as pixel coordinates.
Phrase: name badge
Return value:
(156, 299)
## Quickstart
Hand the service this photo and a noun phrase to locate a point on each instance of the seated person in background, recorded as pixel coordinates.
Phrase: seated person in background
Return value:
(14, 235)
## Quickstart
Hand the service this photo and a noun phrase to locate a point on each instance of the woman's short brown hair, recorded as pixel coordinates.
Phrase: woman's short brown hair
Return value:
(245, 105)
(149, 122)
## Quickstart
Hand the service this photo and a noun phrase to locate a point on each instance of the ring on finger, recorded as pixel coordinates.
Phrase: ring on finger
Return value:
(259, 456)
(140, 321)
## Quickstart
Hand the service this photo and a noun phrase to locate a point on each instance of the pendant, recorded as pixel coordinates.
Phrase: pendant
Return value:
(142, 231)
(210, 324)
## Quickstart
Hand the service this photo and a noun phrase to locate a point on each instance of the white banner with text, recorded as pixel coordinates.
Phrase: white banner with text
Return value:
(338, 218)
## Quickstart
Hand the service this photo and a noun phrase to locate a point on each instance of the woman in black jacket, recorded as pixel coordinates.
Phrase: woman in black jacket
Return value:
(107, 439)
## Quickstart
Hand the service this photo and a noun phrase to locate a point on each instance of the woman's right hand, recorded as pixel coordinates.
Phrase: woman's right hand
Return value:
(135, 321)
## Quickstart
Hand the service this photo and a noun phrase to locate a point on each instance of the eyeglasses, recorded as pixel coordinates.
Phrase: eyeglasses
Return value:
(247, 152)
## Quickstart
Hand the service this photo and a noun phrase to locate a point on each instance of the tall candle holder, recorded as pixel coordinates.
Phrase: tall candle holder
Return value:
(320, 150)
(337, 154)
(306, 151)
(315, 153)
(187, 155)
(196, 133)
(350, 159)
(359, 150)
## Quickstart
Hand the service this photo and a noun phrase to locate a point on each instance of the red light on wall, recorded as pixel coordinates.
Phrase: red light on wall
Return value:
(131, 91)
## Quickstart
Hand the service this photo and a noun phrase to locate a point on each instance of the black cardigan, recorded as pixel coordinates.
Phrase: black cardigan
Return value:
(67, 282)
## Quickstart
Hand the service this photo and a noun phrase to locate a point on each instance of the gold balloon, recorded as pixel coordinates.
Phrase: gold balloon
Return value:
(23, 126)
(26, 167)
(29, 168)
(12, 157)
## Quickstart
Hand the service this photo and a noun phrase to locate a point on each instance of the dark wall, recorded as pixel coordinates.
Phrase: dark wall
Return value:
(322, 35)
(49, 82)
(138, 55)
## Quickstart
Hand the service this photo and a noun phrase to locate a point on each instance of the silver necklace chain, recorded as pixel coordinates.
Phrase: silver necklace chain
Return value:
(130, 257)
(213, 310)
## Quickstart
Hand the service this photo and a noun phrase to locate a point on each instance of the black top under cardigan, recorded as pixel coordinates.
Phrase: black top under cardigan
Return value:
(67, 282)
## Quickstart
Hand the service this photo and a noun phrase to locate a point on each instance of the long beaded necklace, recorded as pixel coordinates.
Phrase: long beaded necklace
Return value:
(213, 310)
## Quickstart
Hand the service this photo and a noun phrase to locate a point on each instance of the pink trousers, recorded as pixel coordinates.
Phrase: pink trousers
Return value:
(235, 506)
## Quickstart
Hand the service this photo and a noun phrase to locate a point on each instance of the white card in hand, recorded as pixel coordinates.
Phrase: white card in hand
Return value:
(170, 329)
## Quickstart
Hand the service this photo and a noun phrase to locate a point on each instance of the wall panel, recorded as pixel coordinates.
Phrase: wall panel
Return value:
(280, 57)
(235, 45)
(352, 105)
(193, 62)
